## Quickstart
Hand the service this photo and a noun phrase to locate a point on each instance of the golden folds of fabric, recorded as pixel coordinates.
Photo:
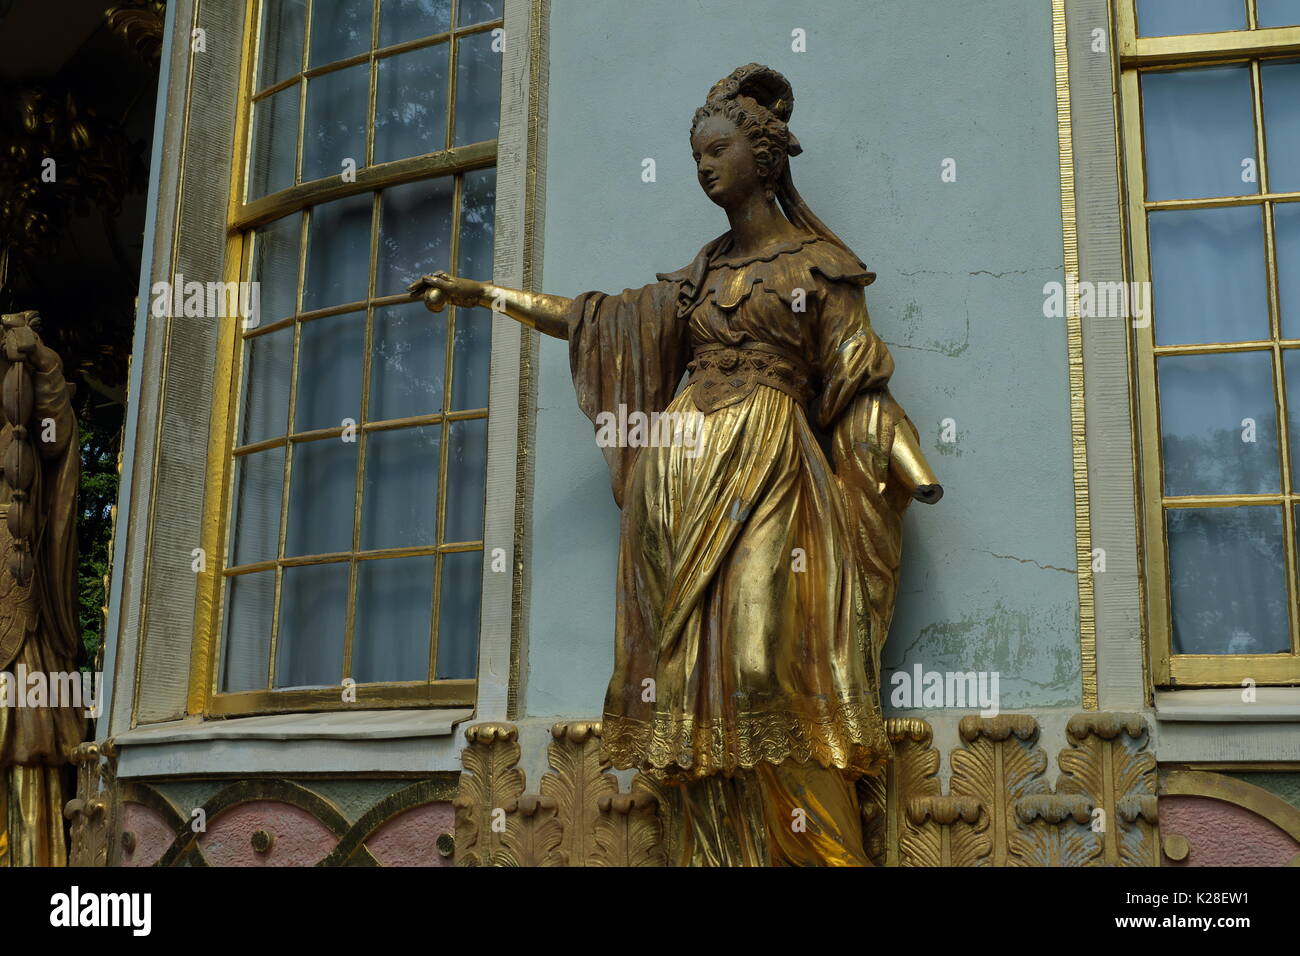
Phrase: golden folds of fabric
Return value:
(755, 581)
(39, 635)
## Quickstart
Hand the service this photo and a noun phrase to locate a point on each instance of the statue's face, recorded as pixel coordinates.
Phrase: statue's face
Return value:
(724, 161)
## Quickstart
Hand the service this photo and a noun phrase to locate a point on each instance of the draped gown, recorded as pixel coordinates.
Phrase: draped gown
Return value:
(755, 583)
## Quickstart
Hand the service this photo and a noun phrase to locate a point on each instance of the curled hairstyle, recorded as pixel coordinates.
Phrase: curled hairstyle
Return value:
(760, 101)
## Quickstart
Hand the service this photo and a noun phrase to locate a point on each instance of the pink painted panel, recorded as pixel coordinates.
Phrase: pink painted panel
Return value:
(409, 839)
(152, 835)
(299, 838)
(1224, 834)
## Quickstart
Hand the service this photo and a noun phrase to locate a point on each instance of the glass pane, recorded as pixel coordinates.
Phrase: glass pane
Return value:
(1200, 129)
(1278, 13)
(1161, 18)
(275, 143)
(338, 253)
(1218, 423)
(1208, 278)
(268, 364)
(283, 23)
(322, 497)
(390, 640)
(259, 478)
(411, 104)
(477, 217)
(414, 233)
(478, 89)
(1291, 368)
(246, 652)
(335, 130)
(275, 268)
(313, 619)
(1280, 83)
(469, 381)
(339, 29)
(478, 11)
(400, 506)
(407, 362)
(330, 354)
(458, 615)
(1227, 575)
(1286, 233)
(412, 19)
(466, 462)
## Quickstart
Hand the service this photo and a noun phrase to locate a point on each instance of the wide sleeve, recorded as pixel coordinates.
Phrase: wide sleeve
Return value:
(851, 358)
(863, 419)
(626, 350)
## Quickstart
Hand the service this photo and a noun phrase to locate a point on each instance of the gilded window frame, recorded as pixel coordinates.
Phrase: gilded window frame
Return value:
(242, 217)
(1136, 56)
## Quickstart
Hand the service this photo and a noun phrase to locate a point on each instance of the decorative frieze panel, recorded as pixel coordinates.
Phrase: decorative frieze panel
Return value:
(1001, 809)
(579, 818)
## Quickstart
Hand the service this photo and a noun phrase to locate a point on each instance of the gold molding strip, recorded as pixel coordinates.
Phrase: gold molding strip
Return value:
(538, 40)
(1074, 346)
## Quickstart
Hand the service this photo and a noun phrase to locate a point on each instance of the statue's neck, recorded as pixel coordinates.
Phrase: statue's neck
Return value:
(758, 223)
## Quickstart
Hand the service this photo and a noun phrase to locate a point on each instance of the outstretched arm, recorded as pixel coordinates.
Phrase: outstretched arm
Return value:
(537, 310)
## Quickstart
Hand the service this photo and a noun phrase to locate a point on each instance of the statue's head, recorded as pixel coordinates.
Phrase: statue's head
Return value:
(739, 137)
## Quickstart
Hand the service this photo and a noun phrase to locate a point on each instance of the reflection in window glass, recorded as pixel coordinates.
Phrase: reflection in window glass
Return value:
(1281, 87)
(399, 508)
(1227, 569)
(1286, 232)
(1278, 13)
(339, 29)
(391, 639)
(401, 20)
(335, 131)
(281, 40)
(313, 621)
(466, 463)
(338, 252)
(1200, 131)
(258, 479)
(414, 233)
(268, 369)
(275, 268)
(411, 104)
(322, 499)
(1159, 18)
(1218, 424)
(478, 11)
(246, 650)
(462, 580)
(408, 355)
(478, 89)
(330, 352)
(1208, 276)
(274, 149)
(1291, 365)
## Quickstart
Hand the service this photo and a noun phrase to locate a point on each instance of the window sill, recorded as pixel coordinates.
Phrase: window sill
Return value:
(1214, 725)
(382, 741)
(1224, 705)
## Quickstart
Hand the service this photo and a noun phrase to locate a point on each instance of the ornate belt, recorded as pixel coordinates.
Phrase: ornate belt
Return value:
(724, 374)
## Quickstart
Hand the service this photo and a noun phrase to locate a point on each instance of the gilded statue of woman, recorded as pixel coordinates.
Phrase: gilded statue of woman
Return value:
(755, 581)
(40, 641)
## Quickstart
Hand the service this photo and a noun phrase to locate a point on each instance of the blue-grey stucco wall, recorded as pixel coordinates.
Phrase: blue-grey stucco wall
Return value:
(886, 91)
